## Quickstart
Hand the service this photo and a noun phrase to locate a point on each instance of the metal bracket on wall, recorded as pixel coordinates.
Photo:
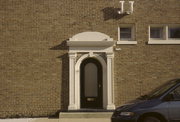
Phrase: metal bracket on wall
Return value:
(122, 8)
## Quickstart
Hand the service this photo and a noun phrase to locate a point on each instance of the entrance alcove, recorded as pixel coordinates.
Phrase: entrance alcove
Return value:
(91, 67)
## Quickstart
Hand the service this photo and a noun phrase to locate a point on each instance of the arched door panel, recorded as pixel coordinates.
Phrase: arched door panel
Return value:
(91, 84)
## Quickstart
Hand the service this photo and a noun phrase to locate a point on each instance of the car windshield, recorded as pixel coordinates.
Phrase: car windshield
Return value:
(159, 90)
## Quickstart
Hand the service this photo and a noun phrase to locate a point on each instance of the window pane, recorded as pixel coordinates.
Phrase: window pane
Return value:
(174, 32)
(91, 80)
(176, 94)
(156, 32)
(125, 33)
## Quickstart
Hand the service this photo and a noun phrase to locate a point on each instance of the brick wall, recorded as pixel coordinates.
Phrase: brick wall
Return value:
(33, 52)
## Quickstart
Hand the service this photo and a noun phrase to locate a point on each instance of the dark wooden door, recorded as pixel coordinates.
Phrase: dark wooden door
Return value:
(91, 84)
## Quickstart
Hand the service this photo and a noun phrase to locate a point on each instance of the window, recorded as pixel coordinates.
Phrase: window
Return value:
(156, 32)
(174, 32)
(164, 34)
(126, 34)
(176, 94)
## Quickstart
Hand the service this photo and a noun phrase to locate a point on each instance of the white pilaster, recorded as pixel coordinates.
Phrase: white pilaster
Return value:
(72, 101)
(110, 95)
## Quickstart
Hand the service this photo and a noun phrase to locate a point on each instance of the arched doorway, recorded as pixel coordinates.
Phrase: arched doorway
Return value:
(94, 48)
(91, 84)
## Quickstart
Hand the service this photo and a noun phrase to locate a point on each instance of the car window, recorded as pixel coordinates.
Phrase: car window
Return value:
(160, 90)
(176, 93)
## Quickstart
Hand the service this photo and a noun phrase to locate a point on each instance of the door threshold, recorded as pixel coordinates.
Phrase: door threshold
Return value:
(88, 110)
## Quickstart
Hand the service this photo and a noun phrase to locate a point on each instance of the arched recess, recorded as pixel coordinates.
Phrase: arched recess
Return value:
(77, 77)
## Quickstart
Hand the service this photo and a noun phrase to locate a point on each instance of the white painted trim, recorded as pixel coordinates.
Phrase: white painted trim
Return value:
(164, 42)
(90, 43)
(166, 39)
(79, 44)
(132, 39)
(72, 101)
(118, 33)
(122, 7)
(91, 36)
(110, 81)
(130, 11)
(165, 28)
(126, 42)
(77, 78)
(131, 6)
(88, 49)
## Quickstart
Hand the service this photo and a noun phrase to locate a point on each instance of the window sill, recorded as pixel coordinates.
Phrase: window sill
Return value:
(126, 42)
(164, 42)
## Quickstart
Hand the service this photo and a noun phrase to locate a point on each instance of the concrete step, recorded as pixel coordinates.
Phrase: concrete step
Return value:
(85, 120)
(85, 116)
(30, 120)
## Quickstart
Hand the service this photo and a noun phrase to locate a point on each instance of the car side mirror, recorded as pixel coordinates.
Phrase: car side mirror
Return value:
(168, 97)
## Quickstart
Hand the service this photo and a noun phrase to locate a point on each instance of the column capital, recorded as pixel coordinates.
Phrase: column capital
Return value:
(110, 55)
(72, 55)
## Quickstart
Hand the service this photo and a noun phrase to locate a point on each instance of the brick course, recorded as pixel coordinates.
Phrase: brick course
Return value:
(33, 53)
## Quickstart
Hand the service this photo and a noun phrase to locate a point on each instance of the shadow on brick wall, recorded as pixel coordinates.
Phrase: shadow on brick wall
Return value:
(62, 46)
(65, 77)
(65, 82)
(111, 13)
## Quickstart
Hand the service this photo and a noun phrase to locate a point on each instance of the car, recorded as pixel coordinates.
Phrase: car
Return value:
(160, 105)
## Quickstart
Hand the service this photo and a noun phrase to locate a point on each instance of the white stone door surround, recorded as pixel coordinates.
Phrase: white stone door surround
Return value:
(100, 47)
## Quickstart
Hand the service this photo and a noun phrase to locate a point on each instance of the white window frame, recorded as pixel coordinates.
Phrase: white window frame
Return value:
(165, 39)
(129, 41)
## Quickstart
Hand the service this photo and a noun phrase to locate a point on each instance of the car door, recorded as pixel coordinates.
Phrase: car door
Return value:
(174, 106)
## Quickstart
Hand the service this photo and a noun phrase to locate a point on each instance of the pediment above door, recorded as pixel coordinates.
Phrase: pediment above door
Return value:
(90, 39)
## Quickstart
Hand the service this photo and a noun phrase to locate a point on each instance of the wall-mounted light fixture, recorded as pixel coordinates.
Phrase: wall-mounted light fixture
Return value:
(130, 11)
